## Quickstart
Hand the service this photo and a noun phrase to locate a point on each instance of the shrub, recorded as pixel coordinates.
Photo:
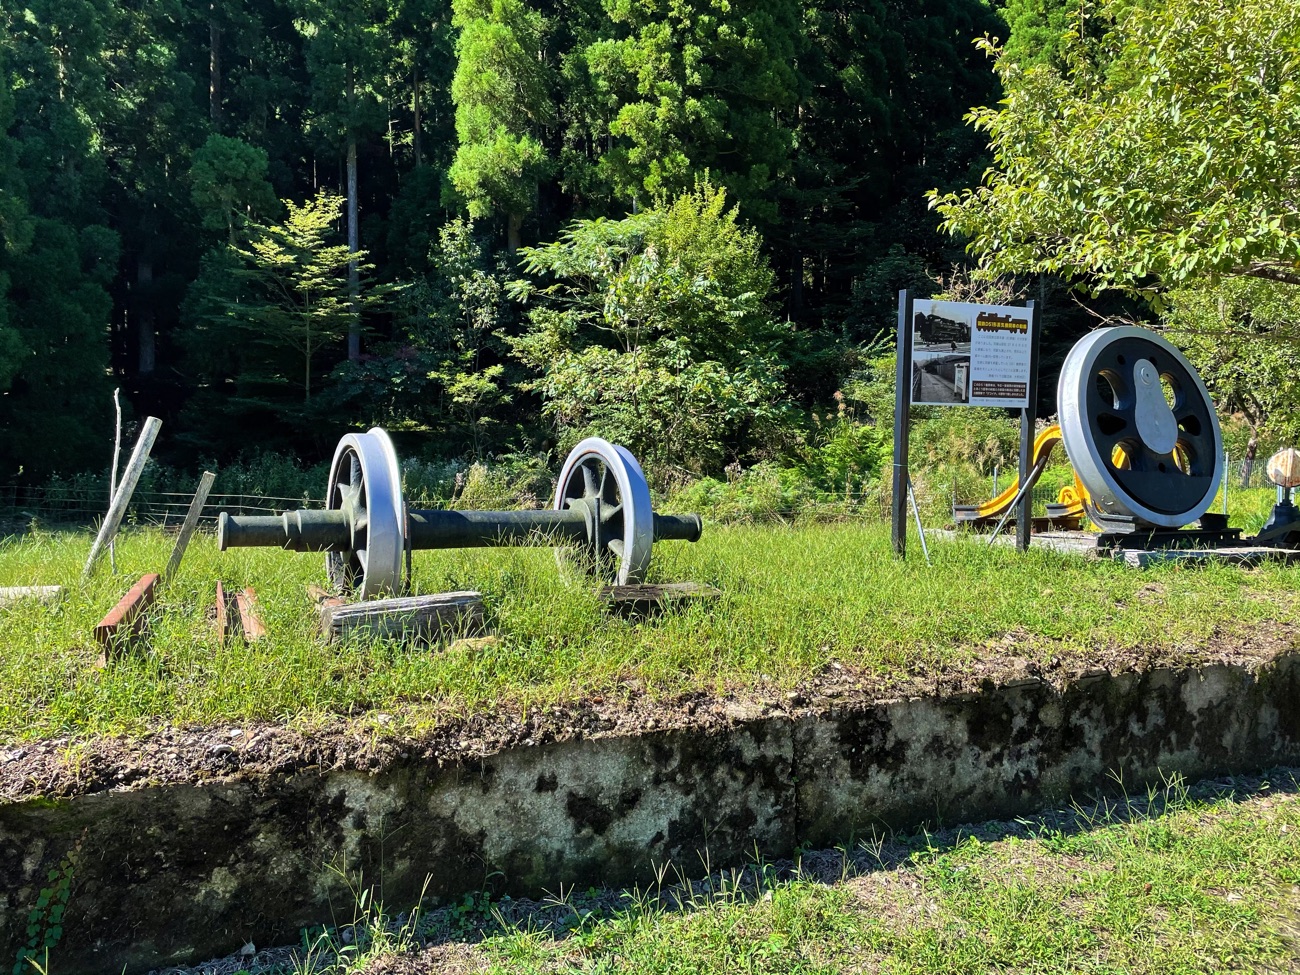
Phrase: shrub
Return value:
(655, 331)
(762, 492)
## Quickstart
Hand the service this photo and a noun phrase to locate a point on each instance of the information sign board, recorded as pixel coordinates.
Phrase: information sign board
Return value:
(954, 353)
(965, 354)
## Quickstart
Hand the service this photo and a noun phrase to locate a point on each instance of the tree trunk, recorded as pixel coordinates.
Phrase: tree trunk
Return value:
(1248, 461)
(796, 285)
(214, 68)
(354, 277)
(415, 136)
(514, 224)
(144, 315)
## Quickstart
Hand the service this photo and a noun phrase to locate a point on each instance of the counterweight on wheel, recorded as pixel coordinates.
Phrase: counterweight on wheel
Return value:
(602, 511)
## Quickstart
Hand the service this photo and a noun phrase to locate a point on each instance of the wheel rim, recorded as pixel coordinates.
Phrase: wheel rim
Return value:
(605, 481)
(365, 481)
(1139, 455)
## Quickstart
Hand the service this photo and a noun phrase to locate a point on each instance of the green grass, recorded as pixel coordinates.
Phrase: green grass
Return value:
(795, 600)
(1174, 887)
(1247, 507)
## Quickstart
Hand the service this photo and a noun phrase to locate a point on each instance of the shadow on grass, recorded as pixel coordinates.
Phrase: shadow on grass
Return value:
(689, 887)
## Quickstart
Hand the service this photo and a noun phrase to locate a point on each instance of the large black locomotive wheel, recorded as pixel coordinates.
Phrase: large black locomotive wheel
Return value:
(1139, 427)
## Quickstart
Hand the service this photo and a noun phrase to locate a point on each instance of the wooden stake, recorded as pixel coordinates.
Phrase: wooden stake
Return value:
(407, 617)
(249, 621)
(191, 522)
(112, 630)
(122, 498)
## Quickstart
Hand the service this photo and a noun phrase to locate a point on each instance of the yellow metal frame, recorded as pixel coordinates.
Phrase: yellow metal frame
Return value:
(1074, 496)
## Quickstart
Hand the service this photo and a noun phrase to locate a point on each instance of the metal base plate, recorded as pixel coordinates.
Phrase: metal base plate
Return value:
(1152, 539)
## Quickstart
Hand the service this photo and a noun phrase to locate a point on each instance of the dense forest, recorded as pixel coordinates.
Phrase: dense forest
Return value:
(492, 225)
(268, 221)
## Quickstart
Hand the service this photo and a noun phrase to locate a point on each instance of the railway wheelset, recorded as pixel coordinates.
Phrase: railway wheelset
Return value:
(601, 515)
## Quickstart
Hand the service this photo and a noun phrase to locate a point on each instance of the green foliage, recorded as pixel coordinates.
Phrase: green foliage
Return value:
(847, 456)
(694, 88)
(954, 451)
(287, 293)
(1173, 880)
(510, 481)
(45, 920)
(344, 49)
(502, 94)
(15, 233)
(266, 327)
(414, 220)
(1243, 336)
(838, 474)
(57, 414)
(794, 599)
(145, 133)
(875, 292)
(445, 372)
(655, 331)
(1164, 156)
(1040, 31)
(764, 492)
(353, 948)
(57, 256)
(475, 388)
(261, 473)
(296, 280)
(870, 387)
(229, 186)
(982, 438)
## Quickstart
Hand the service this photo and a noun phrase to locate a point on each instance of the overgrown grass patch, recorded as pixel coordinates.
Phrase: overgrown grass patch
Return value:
(795, 600)
(1178, 886)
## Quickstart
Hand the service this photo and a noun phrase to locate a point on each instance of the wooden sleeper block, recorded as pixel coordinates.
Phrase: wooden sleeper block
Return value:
(413, 618)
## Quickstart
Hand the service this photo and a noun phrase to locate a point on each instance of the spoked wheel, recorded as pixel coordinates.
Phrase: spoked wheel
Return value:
(366, 485)
(1140, 427)
(605, 482)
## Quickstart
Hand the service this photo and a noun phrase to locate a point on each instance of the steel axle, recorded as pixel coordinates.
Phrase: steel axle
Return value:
(333, 531)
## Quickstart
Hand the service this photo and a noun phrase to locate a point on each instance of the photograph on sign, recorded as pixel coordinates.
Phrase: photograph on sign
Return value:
(970, 355)
(940, 378)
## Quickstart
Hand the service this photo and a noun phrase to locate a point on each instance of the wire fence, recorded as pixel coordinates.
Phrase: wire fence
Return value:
(70, 507)
(75, 506)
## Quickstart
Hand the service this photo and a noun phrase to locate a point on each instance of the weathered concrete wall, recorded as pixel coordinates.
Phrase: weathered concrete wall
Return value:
(182, 872)
(1008, 749)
